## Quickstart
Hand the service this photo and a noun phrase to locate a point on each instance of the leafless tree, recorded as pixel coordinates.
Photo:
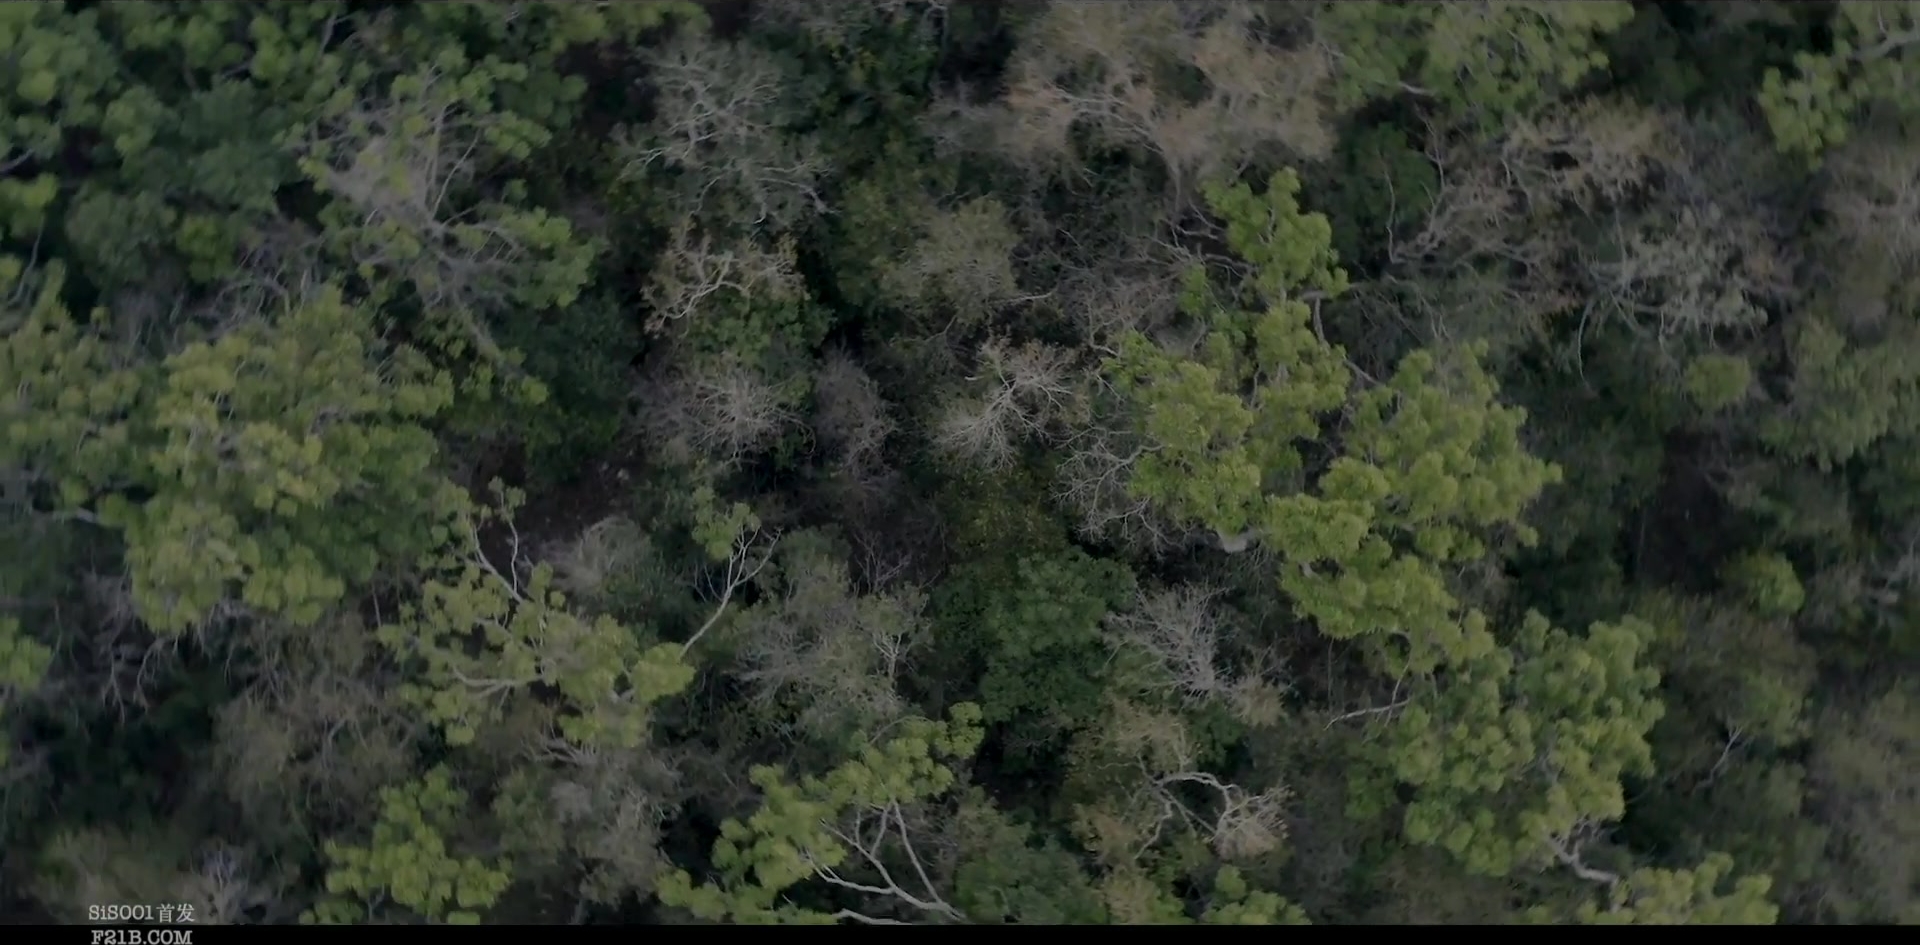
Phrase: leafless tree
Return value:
(719, 120)
(962, 265)
(1092, 482)
(693, 273)
(1671, 278)
(607, 550)
(1186, 632)
(724, 411)
(1597, 212)
(280, 266)
(1098, 66)
(1875, 195)
(832, 654)
(1135, 287)
(1154, 754)
(227, 888)
(1028, 390)
(1892, 579)
(851, 416)
(122, 657)
(612, 806)
(319, 726)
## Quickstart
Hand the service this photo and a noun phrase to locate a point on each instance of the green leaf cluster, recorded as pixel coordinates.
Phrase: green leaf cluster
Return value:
(407, 862)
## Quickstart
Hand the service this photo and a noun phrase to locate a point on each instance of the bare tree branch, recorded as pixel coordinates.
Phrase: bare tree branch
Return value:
(749, 557)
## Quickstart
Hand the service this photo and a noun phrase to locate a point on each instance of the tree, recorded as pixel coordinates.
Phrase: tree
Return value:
(300, 464)
(1719, 381)
(319, 728)
(722, 411)
(1430, 461)
(961, 266)
(817, 650)
(1685, 897)
(1484, 61)
(1811, 109)
(1197, 455)
(852, 417)
(1519, 751)
(64, 431)
(1151, 760)
(404, 169)
(1037, 627)
(65, 75)
(284, 461)
(589, 822)
(1235, 902)
(1843, 396)
(722, 127)
(608, 678)
(1862, 773)
(1028, 392)
(1680, 257)
(1196, 650)
(23, 664)
(853, 818)
(694, 275)
(407, 862)
(1873, 198)
(197, 882)
(1096, 67)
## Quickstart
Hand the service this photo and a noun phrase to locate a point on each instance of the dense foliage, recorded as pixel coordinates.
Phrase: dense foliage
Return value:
(961, 462)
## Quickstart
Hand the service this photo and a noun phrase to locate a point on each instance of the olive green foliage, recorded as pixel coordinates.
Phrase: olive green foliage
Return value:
(1236, 904)
(23, 664)
(1005, 876)
(1489, 60)
(528, 638)
(1844, 396)
(1812, 106)
(795, 835)
(1571, 712)
(1688, 897)
(282, 461)
(1213, 446)
(1430, 464)
(408, 864)
(1718, 381)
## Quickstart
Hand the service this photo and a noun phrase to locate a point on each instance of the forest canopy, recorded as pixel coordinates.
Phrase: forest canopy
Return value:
(915, 462)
